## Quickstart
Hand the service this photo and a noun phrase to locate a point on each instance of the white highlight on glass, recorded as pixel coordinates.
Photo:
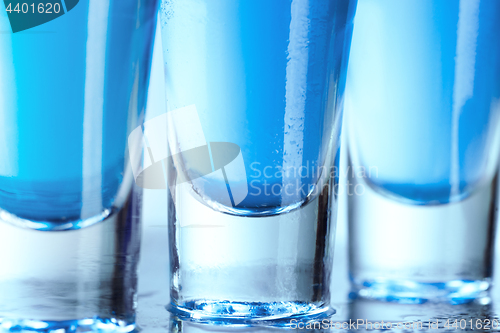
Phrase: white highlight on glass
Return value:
(296, 83)
(93, 107)
(463, 89)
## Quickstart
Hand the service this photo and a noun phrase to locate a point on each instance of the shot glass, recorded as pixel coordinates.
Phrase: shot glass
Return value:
(254, 111)
(73, 82)
(423, 111)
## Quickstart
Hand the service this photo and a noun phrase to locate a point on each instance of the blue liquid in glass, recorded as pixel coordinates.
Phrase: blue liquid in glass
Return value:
(70, 92)
(265, 75)
(425, 97)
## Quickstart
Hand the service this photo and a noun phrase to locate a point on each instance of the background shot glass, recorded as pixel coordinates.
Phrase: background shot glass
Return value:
(423, 105)
(73, 81)
(255, 88)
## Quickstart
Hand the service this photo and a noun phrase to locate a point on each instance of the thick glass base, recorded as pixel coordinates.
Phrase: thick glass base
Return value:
(236, 270)
(419, 253)
(249, 313)
(66, 326)
(410, 292)
(71, 280)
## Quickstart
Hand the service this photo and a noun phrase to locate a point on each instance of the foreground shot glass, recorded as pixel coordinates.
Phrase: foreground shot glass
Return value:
(254, 97)
(73, 79)
(423, 105)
